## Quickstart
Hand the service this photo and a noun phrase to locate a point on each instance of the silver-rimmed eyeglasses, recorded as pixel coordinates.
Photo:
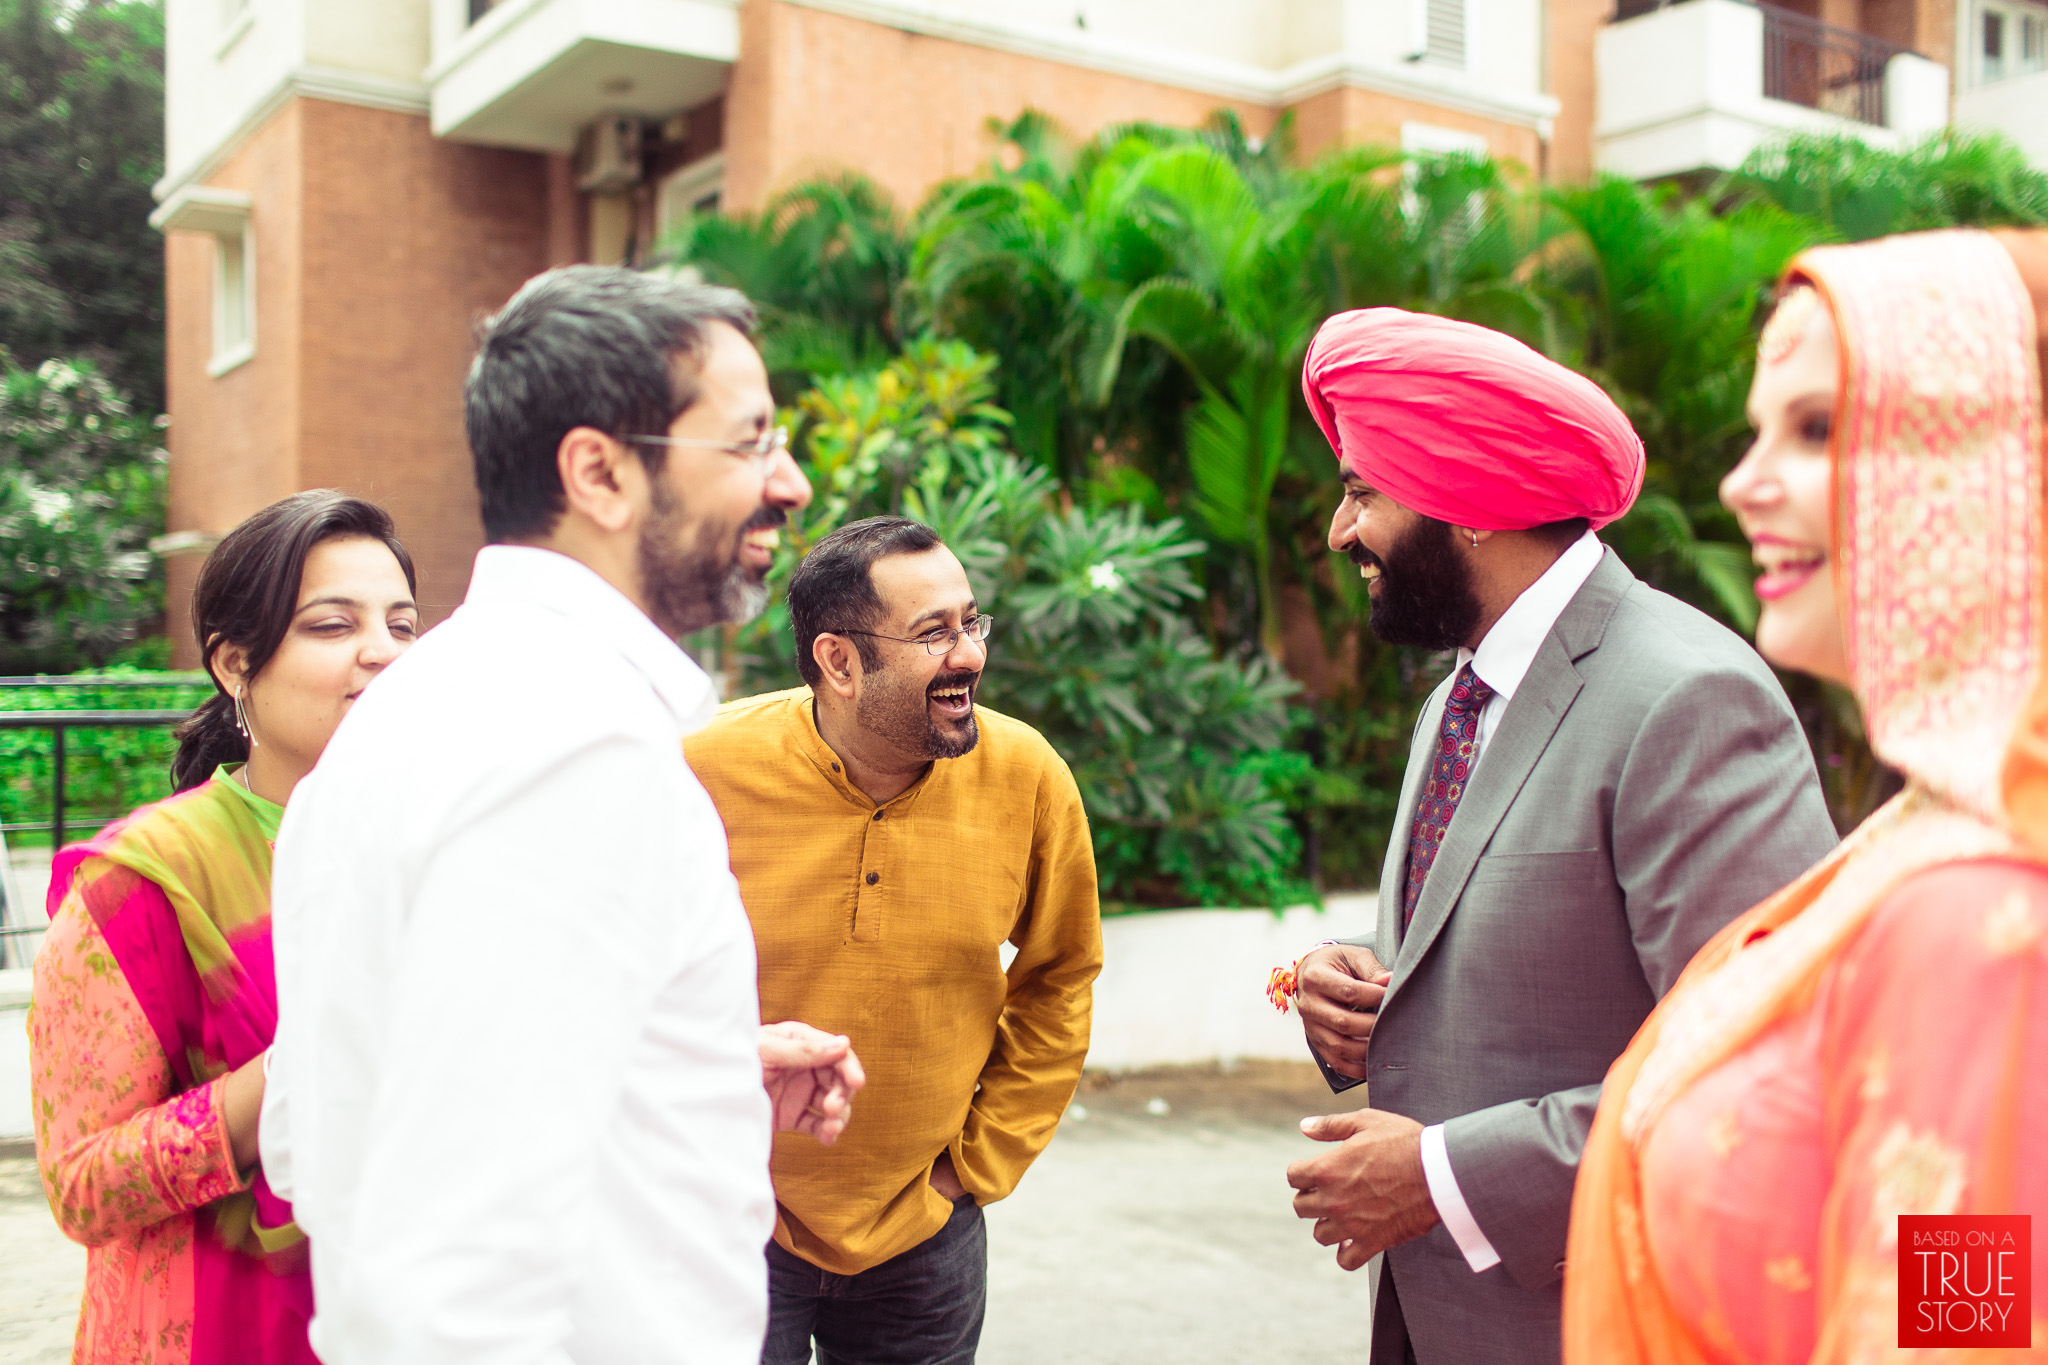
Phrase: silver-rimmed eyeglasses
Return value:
(940, 641)
(764, 449)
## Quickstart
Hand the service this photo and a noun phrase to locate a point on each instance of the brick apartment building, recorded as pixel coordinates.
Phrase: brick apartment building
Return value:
(351, 182)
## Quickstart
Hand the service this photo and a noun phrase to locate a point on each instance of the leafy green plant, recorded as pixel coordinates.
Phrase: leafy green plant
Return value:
(1094, 645)
(1950, 178)
(823, 262)
(108, 771)
(81, 493)
(1145, 296)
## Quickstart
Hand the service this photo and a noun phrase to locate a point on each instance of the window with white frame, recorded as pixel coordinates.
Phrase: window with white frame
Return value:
(2011, 39)
(222, 215)
(234, 300)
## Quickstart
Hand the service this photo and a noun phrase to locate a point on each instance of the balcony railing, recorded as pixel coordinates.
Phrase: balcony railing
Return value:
(1836, 70)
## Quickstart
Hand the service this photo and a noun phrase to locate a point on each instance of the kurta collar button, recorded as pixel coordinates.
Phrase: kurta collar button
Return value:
(874, 877)
(878, 815)
(835, 767)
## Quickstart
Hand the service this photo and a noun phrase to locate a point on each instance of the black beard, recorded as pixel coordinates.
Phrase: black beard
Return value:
(705, 584)
(890, 707)
(1425, 595)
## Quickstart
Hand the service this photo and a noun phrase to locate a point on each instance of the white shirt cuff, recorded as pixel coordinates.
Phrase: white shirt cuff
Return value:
(1450, 1202)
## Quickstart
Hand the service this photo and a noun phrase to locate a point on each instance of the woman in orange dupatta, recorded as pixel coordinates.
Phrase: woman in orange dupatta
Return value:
(155, 999)
(1872, 1041)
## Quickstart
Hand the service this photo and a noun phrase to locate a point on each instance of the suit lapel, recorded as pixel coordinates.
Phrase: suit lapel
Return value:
(1524, 732)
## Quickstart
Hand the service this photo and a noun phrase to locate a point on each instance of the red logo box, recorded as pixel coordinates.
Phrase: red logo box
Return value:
(1966, 1279)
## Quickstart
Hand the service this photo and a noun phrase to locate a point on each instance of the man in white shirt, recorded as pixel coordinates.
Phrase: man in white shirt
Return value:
(521, 1097)
(1606, 779)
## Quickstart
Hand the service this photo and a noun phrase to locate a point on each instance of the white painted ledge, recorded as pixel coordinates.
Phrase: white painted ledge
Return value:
(1186, 986)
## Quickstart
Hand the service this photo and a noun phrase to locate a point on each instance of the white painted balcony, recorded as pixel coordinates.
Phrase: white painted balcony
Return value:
(1702, 84)
(532, 73)
(2016, 106)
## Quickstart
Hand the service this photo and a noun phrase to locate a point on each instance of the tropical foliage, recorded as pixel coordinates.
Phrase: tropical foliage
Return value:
(1147, 296)
(1171, 746)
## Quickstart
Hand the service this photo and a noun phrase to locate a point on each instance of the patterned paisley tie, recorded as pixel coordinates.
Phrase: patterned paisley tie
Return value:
(1457, 741)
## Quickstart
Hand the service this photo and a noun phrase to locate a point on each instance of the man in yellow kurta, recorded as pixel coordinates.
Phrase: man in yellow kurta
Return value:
(889, 837)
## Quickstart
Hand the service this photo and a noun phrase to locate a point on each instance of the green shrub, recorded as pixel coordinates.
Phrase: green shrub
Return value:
(108, 771)
(1171, 747)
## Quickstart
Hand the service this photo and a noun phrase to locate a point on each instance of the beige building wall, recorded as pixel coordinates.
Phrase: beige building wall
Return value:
(1572, 26)
(817, 92)
(233, 437)
(377, 246)
(409, 240)
(1351, 116)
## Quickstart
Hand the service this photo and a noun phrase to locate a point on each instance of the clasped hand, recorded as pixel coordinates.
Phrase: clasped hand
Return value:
(1338, 990)
(1368, 1192)
(810, 1076)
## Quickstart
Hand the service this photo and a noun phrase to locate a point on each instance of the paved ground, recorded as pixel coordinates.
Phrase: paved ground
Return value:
(1140, 1236)
(39, 1271)
(1143, 1237)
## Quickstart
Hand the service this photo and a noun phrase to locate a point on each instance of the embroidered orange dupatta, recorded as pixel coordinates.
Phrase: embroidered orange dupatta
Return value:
(1942, 582)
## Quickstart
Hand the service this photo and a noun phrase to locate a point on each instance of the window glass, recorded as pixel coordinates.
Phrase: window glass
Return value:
(1994, 45)
(234, 311)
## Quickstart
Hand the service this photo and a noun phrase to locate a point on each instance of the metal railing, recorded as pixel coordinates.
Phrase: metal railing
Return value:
(1835, 70)
(59, 724)
(16, 922)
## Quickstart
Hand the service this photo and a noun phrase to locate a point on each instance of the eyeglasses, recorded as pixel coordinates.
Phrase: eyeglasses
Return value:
(771, 443)
(938, 641)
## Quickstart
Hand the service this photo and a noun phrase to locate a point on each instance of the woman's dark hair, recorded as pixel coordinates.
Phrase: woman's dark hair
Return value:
(834, 588)
(247, 594)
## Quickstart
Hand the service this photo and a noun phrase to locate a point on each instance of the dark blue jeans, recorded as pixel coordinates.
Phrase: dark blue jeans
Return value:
(922, 1307)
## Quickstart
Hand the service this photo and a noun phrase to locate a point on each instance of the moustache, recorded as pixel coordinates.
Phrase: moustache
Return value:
(1363, 557)
(768, 518)
(970, 681)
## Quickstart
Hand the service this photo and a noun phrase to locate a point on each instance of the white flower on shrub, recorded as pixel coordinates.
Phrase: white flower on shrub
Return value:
(1103, 577)
(47, 505)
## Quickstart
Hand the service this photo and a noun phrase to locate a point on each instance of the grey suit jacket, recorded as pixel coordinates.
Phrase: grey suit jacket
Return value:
(1647, 783)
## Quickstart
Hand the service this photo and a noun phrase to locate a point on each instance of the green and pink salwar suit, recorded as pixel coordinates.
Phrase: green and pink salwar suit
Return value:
(153, 983)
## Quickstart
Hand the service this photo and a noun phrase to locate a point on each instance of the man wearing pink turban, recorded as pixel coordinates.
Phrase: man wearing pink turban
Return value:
(1606, 779)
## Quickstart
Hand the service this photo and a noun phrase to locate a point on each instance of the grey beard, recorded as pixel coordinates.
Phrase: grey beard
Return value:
(690, 589)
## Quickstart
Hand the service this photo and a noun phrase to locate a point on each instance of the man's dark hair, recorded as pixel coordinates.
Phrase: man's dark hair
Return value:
(1559, 535)
(582, 346)
(834, 588)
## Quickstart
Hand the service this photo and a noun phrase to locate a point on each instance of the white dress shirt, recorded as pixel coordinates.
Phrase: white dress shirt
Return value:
(516, 1090)
(1501, 662)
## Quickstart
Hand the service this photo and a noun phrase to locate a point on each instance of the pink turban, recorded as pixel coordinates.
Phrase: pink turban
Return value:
(1463, 424)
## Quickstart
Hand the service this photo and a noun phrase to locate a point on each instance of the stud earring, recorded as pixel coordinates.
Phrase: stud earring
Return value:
(1475, 539)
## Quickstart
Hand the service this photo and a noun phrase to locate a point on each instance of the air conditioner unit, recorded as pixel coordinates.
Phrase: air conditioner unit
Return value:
(608, 154)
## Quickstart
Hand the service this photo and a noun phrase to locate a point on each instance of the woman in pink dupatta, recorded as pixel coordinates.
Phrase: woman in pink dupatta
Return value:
(154, 994)
(1872, 1041)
